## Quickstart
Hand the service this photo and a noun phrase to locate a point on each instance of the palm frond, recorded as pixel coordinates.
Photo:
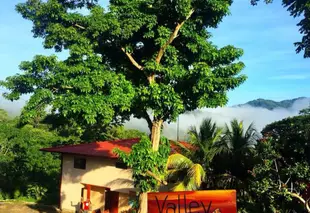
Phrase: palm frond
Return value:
(178, 161)
(184, 150)
(207, 129)
(218, 134)
(179, 187)
(193, 134)
(238, 138)
(196, 174)
(251, 134)
(176, 175)
(222, 146)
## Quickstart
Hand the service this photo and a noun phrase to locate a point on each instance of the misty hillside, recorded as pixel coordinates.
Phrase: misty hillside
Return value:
(261, 112)
(270, 104)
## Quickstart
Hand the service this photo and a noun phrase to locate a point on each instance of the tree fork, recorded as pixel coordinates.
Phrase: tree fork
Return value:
(173, 35)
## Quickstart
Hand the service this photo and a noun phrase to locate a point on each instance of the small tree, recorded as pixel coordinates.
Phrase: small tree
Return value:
(3, 115)
(146, 163)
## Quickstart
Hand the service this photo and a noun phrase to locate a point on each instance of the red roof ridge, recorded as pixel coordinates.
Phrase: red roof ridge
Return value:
(95, 142)
(119, 140)
(104, 148)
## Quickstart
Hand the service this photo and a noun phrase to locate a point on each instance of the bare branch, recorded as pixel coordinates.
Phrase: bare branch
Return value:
(173, 35)
(66, 87)
(305, 202)
(292, 186)
(132, 60)
(79, 26)
(287, 181)
(307, 205)
(277, 170)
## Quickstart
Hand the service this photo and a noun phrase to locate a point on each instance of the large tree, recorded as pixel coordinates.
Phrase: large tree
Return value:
(138, 57)
(148, 58)
(298, 8)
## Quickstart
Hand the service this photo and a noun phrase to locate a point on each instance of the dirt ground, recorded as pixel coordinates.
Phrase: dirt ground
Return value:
(19, 207)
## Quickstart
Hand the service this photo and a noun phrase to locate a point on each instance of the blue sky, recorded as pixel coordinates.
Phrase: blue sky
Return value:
(266, 33)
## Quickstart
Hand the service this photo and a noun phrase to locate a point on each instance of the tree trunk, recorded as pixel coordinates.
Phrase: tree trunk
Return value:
(155, 134)
(142, 203)
(155, 138)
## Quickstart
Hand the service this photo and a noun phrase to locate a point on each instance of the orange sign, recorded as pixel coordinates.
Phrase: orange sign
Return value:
(217, 201)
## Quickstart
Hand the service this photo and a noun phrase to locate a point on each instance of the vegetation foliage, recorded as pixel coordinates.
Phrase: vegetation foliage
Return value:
(25, 170)
(152, 60)
(144, 160)
(270, 173)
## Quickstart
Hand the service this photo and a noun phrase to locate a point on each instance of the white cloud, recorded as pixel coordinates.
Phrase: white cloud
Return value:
(13, 108)
(259, 116)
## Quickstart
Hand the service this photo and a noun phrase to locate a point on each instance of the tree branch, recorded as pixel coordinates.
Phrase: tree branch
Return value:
(132, 60)
(79, 26)
(173, 35)
(148, 120)
(155, 177)
(305, 202)
(277, 170)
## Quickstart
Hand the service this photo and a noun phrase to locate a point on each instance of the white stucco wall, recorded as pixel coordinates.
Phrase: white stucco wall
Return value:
(99, 172)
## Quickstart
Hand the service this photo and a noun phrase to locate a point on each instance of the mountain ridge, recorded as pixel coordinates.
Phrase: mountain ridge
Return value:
(271, 104)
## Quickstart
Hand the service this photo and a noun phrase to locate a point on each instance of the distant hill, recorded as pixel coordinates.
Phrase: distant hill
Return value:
(270, 104)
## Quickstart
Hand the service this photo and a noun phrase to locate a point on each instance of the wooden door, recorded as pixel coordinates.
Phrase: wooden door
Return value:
(111, 201)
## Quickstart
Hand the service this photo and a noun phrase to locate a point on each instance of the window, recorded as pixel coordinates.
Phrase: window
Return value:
(120, 165)
(79, 163)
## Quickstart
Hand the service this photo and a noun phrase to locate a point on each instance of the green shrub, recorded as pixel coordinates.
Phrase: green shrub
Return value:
(17, 194)
(36, 191)
(1, 196)
(4, 195)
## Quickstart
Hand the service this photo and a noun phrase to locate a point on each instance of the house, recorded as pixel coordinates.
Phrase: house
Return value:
(92, 171)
